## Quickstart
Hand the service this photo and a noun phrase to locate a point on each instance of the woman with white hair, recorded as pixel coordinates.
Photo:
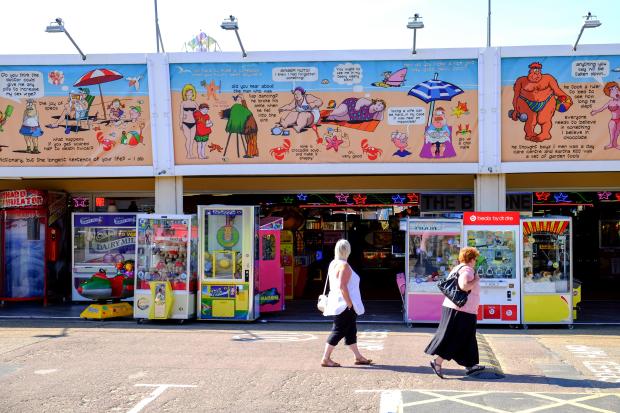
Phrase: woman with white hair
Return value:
(344, 301)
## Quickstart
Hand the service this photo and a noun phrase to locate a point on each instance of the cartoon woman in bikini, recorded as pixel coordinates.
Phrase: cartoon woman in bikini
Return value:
(612, 89)
(188, 123)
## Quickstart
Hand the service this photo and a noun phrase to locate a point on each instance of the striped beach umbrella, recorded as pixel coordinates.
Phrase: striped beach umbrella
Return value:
(432, 90)
(97, 77)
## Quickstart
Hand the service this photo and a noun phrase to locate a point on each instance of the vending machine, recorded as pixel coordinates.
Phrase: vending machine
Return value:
(547, 274)
(32, 227)
(100, 242)
(287, 255)
(433, 250)
(166, 267)
(228, 263)
(497, 236)
(270, 270)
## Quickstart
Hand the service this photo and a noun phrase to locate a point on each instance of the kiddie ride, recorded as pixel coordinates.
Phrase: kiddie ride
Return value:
(108, 291)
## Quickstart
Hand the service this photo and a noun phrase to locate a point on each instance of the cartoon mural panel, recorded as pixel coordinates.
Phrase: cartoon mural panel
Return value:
(553, 108)
(325, 112)
(74, 116)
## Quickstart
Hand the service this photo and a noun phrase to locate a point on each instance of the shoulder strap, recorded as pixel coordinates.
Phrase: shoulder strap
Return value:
(455, 271)
(326, 280)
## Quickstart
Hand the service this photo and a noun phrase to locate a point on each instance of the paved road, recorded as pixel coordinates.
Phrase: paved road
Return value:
(124, 367)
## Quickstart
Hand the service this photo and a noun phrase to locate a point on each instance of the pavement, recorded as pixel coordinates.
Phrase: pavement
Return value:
(94, 366)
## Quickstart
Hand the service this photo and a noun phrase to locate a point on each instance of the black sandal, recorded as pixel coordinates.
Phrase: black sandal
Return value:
(474, 369)
(437, 369)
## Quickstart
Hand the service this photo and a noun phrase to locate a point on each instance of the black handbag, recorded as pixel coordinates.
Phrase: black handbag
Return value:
(449, 286)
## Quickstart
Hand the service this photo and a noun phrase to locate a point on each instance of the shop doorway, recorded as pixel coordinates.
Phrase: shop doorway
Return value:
(596, 251)
(315, 224)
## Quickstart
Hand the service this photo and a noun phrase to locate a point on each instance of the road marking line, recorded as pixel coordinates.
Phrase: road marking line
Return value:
(160, 388)
(372, 340)
(561, 402)
(457, 399)
(391, 401)
(45, 371)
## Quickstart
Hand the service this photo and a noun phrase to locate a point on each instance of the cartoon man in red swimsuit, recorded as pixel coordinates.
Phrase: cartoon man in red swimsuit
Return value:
(535, 97)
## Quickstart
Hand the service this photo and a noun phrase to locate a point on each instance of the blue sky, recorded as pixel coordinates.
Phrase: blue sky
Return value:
(126, 26)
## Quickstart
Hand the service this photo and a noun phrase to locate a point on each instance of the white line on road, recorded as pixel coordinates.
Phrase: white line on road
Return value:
(391, 401)
(273, 337)
(160, 388)
(372, 340)
(48, 371)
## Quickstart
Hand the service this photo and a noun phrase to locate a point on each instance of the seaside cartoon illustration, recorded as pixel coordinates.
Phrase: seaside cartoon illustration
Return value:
(555, 112)
(74, 115)
(316, 112)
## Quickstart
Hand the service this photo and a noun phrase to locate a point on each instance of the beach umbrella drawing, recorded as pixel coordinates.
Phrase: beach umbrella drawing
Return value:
(432, 90)
(97, 77)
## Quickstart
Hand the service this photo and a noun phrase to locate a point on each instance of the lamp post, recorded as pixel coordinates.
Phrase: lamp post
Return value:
(158, 38)
(232, 24)
(415, 24)
(590, 23)
(58, 26)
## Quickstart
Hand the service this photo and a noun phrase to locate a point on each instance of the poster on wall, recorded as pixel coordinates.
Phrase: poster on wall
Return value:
(561, 108)
(74, 116)
(325, 112)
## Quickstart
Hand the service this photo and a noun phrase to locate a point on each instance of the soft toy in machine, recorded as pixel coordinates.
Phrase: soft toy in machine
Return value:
(108, 291)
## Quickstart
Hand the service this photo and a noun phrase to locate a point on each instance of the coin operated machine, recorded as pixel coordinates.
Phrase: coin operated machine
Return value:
(228, 263)
(496, 235)
(547, 274)
(432, 247)
(166, 262)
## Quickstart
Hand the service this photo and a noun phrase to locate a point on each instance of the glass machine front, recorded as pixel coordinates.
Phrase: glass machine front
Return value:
(228, 263)
(166, 254)
(433, 250)
(547, 271)
(498, 265)
(101, 241)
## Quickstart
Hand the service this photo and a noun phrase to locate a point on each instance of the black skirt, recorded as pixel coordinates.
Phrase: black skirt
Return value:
(455, 338)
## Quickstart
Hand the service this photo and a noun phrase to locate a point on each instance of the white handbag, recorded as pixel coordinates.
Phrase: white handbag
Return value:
(322, 302)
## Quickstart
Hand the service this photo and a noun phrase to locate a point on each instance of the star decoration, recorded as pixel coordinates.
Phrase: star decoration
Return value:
(333, 143)
(342, 197)
(359, 199)
(398, 199)
(80, 202)
(211, 89)
(302, 197)
(460, 109)
(604, 196)
(542, 196)
(288, 199)
(561, 197)
(413, 198)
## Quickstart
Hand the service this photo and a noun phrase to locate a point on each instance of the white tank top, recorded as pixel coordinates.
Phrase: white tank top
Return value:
(335, 301)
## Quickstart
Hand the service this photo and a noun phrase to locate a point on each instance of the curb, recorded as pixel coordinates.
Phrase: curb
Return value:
(493, 369)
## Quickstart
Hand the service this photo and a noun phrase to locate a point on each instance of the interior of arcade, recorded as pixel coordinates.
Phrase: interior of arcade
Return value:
(315, 218)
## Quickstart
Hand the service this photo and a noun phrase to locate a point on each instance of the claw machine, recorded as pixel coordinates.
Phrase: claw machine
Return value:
(547, 274)
(32, 231)
(166, 267)
(102, 242)
(228, 263)
(433, 249)
(271, 280)
(497, 237)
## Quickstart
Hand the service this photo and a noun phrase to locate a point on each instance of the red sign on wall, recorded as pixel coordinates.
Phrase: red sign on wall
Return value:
(491, 218)
(22, 198)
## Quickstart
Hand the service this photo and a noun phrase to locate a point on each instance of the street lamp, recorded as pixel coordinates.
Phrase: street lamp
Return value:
(415, 24)
(232, 24)
(590, 23)
(58, 26)
(158, 38)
